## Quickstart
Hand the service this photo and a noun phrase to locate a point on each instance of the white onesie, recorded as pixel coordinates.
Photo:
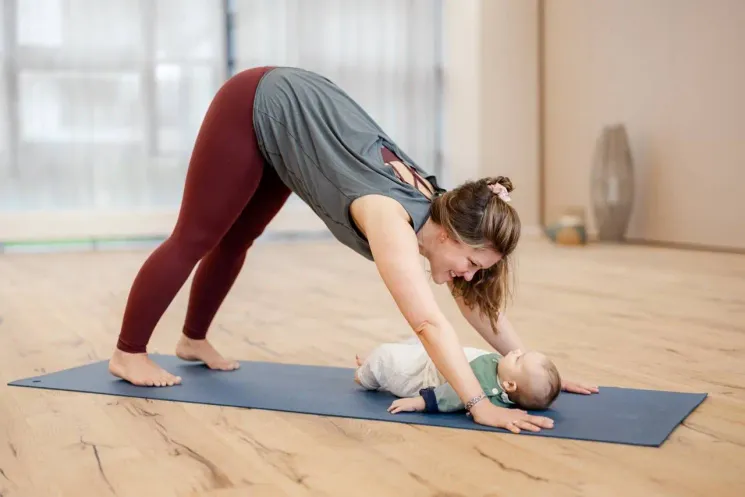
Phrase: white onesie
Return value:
(404, 368)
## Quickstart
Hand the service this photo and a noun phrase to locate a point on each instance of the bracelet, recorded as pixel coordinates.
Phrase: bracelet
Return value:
(475, 401)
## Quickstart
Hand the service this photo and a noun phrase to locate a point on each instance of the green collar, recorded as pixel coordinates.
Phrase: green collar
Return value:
(485, 369)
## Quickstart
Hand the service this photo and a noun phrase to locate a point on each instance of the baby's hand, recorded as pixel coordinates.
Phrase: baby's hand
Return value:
(407, 404)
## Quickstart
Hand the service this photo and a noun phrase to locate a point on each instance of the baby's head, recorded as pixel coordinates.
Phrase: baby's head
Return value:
(530, 379)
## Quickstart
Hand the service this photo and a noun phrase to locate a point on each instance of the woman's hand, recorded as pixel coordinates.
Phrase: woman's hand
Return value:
(582, 388)
(514, 420)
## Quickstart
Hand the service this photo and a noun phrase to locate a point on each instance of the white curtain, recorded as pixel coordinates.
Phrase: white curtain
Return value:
(101, 101)
(384, 53)
(3, 97)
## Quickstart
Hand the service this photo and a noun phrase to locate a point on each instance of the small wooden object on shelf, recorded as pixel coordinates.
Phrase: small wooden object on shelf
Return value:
(569, 228)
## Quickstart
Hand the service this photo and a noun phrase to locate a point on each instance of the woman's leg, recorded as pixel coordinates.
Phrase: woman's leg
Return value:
(224, 172)
(219, 269)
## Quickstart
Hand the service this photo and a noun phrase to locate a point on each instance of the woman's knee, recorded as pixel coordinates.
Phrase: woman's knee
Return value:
(194, 244)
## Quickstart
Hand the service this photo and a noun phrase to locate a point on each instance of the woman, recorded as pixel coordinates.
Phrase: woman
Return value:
(273, 131)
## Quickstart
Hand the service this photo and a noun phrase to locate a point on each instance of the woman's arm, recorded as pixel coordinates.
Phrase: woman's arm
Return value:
(396, 252)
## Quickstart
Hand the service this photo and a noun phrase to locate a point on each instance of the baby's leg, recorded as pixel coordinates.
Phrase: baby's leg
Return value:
(365, 374)
(399, 368)
(356, 371)
(409, 341)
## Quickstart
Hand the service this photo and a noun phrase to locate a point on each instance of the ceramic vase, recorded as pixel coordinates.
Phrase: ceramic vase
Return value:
(612, 183)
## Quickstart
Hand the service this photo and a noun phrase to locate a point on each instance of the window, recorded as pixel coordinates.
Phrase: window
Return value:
(104, 99)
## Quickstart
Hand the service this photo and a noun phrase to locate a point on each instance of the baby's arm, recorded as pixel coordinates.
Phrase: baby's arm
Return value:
(444, 399)
(432, 399)
(407, 404)
(441, 399)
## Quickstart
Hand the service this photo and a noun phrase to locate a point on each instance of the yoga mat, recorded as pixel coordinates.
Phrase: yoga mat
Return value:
(615, 415)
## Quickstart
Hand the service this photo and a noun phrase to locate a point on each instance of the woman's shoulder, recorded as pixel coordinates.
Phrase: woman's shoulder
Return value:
(376, 208)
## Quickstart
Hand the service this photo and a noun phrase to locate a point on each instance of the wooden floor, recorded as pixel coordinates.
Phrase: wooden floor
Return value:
(628, 316)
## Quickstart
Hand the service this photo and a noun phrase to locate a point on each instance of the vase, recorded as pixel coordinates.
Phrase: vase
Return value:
(612, 183)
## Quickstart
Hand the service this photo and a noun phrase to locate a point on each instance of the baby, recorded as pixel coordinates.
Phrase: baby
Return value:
(528, 380)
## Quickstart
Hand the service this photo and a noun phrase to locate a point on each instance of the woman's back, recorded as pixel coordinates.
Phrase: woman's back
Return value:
(328, 150)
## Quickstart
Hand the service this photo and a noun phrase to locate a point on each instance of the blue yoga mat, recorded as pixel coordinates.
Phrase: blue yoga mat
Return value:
(615, 415)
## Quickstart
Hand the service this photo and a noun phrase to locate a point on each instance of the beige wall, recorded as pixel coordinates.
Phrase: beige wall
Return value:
(491, 96)
(673, 71)
(462, 91)
(509, 100)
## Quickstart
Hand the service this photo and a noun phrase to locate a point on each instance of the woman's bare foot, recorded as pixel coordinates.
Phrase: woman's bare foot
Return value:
(140, 370)
(201, 350)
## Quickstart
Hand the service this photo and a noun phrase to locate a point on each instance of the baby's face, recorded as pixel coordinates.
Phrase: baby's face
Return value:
(522, 370)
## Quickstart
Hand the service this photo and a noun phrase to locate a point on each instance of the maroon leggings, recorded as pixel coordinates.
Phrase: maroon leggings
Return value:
(230, 196)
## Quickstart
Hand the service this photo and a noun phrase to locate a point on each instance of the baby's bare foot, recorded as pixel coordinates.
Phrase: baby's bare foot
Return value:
(201, 350)
(140, 370)
(356, 372)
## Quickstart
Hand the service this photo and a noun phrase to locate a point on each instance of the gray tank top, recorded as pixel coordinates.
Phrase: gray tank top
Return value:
(328, 151)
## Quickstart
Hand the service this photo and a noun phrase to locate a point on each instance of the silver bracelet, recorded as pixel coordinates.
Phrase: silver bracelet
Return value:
(475, 401)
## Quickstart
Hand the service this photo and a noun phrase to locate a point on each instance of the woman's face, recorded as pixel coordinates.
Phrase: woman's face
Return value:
(450, 259)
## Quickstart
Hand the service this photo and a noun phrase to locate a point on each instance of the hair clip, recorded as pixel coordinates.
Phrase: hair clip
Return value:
(500, 191)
